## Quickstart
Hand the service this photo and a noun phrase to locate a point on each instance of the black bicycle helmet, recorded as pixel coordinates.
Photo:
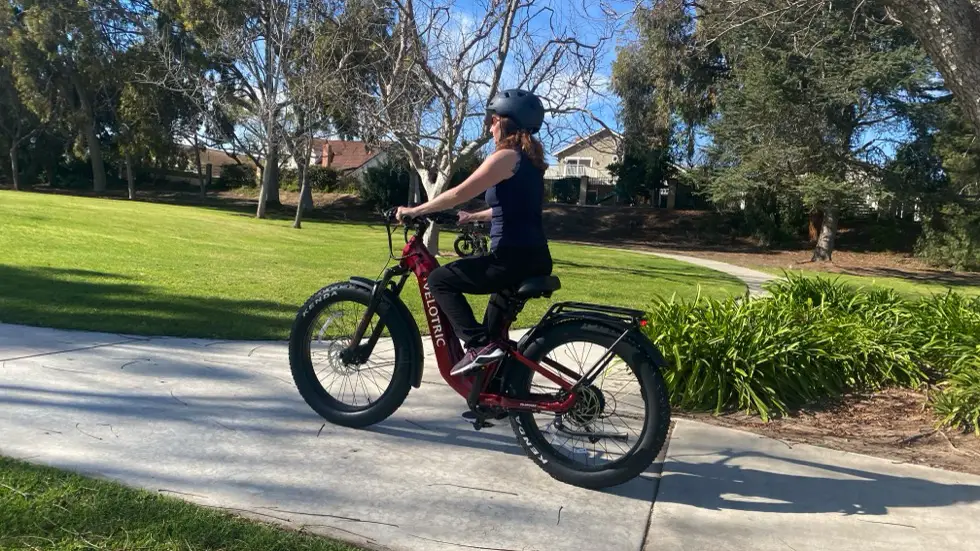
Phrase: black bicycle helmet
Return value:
(520, 106)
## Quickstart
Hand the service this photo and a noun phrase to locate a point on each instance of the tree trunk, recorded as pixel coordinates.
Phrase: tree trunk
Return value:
(95, 154)
(816, 221)
(949, 30)
(305, 197)
(272, 199)
(130, 179)
(824, 250)
(263, 190)
(14, 167)
(269, 194)
(91, 138)
(200, 168)
(414, 188)
(433, 189)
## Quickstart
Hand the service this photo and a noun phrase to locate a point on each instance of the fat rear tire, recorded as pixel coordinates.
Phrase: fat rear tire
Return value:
(656, 421)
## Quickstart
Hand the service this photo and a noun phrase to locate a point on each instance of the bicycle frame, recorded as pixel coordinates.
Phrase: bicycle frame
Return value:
(416, 259)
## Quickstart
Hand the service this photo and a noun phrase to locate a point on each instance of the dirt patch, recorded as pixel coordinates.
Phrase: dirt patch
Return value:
(895, 265)
(894, 424)
(872, 264)
(645, 227)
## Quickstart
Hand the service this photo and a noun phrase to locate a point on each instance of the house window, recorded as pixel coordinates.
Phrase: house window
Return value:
(577, 166)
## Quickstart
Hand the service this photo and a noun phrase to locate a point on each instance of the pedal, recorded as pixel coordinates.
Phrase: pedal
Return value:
(479, 422)
(470, 415)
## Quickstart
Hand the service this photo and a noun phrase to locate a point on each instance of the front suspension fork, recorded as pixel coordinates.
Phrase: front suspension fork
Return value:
(377, 295)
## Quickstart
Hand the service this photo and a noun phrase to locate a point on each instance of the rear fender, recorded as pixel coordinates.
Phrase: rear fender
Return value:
(398, 308)
(612, 323)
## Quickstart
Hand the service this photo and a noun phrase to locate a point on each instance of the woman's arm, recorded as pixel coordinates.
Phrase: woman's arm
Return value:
(481, 216)
(497, 168)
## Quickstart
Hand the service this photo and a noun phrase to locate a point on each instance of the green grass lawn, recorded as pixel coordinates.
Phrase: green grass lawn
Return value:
(44, 508)
(142, 268)
(909, 288)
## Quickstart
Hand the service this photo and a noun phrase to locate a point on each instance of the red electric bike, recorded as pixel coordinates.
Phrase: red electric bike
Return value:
(582, 388)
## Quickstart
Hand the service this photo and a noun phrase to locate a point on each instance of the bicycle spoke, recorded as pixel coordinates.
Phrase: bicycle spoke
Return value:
(349, 381)
(616, 406)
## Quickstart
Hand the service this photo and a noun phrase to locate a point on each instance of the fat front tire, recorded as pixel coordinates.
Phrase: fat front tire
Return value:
(398, 359)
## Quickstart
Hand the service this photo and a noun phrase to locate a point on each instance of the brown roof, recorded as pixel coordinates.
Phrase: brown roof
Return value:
(343, 154)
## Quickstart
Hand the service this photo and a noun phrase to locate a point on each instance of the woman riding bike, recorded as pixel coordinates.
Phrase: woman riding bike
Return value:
(513, 179)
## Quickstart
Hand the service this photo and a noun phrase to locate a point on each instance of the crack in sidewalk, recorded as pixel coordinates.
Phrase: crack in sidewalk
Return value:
(56, 352)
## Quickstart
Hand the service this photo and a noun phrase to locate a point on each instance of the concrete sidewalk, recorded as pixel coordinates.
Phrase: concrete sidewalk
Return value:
(723, 490)
(221, 424)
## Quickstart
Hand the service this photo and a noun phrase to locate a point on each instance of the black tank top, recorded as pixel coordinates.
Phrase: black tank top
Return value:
(517, 203)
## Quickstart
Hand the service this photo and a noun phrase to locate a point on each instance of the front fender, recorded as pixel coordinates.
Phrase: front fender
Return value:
(398, 307)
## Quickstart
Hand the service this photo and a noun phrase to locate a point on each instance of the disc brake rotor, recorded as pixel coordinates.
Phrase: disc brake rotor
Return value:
(588, 407)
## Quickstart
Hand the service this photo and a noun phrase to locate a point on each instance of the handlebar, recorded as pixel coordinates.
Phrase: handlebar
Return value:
(422, 222)
(419, 224)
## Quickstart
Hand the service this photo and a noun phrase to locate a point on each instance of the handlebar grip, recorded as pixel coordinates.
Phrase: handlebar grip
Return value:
(444, 218)
(438, 218)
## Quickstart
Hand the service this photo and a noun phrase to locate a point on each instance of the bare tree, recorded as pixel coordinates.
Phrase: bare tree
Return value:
(245, 96)
(434, 72)
(322, 43)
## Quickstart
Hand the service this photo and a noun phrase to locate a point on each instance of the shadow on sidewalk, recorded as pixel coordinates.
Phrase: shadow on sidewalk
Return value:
(726, 485)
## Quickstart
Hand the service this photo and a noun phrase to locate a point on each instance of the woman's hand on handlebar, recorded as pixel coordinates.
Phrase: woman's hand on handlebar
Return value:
(405, 212)
(465, 217)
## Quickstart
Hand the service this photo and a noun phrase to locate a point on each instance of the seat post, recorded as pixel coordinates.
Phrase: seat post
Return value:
(512, 304)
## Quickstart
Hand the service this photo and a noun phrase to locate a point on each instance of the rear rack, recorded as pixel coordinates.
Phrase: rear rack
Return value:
(631, 318)
(627, 314)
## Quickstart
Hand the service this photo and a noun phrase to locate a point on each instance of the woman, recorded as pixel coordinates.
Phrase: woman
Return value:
(513, 179)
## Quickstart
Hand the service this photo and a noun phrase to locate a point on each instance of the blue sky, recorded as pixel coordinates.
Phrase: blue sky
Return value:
(588, 18)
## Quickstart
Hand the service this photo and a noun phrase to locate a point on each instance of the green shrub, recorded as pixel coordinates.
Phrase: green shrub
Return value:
(815, 339)
(322, 178)
(951, 238)
(237, 175)
(772, 355)
(385, 186)
(958, 403)
(289, 179)
(348, 183)
(947, 329)
(566, 190)
(74, 174)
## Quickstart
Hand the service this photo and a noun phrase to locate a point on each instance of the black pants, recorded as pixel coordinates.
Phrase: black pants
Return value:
(502, 269)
